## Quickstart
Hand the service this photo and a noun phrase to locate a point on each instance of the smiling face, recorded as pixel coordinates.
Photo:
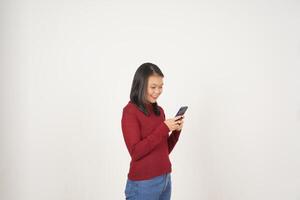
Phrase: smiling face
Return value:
(154, 88)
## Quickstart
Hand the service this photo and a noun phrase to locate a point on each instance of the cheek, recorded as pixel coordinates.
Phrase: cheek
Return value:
(150, 91)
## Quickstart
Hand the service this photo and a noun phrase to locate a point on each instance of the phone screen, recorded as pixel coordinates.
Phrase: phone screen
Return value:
(181, 111)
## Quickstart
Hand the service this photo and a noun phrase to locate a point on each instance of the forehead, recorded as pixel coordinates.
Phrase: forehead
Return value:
(155, 80)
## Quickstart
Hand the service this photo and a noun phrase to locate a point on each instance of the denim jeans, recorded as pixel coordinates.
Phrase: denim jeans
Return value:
(157, 188)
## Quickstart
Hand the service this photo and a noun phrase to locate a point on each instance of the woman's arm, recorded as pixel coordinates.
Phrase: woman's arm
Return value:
(138, 147)
(172, 140)
(173, 137)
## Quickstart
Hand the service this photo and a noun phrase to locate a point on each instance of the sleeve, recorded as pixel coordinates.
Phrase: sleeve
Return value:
(172, 140)
(173, 137)
(138, 147)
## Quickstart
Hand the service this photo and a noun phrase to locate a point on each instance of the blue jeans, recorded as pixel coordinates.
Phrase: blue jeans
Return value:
(157, 188)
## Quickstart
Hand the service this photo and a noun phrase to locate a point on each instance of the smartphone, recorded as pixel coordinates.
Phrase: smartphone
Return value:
(181, 111)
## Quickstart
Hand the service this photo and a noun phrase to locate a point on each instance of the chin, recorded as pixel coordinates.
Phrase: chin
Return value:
(151, 100)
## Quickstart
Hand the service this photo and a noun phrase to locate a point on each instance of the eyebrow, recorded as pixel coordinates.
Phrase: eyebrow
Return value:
(156, 84)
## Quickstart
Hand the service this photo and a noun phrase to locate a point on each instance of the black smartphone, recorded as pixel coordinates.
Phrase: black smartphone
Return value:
(181, 111)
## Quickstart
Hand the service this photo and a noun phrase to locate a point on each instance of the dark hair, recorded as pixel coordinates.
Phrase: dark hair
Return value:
(139, 86)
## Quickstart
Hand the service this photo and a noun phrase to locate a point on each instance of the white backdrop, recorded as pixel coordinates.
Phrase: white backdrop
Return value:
(66, 72)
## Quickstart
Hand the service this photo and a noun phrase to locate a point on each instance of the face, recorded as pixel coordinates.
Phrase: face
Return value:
(154, 88)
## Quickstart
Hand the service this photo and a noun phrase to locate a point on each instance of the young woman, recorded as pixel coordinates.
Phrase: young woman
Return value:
(146, 134)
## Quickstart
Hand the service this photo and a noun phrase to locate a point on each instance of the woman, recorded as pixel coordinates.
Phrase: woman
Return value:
(146, 134)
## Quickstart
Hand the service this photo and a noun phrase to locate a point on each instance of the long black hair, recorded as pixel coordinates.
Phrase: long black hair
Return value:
(140, 84)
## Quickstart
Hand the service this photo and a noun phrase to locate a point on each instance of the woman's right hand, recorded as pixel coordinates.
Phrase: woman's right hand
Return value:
(172, 123)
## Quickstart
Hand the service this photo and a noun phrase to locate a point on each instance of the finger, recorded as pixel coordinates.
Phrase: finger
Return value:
(180, 121)
(180, 127)
(177, 125)
(178, 117)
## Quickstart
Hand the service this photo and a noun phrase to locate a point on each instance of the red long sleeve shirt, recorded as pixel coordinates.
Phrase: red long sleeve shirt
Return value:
(148, 142)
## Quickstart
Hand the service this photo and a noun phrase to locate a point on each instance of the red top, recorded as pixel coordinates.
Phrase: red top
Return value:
(148, 142)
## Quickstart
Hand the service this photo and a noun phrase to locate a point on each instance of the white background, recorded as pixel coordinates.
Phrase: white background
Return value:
(66, 72)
